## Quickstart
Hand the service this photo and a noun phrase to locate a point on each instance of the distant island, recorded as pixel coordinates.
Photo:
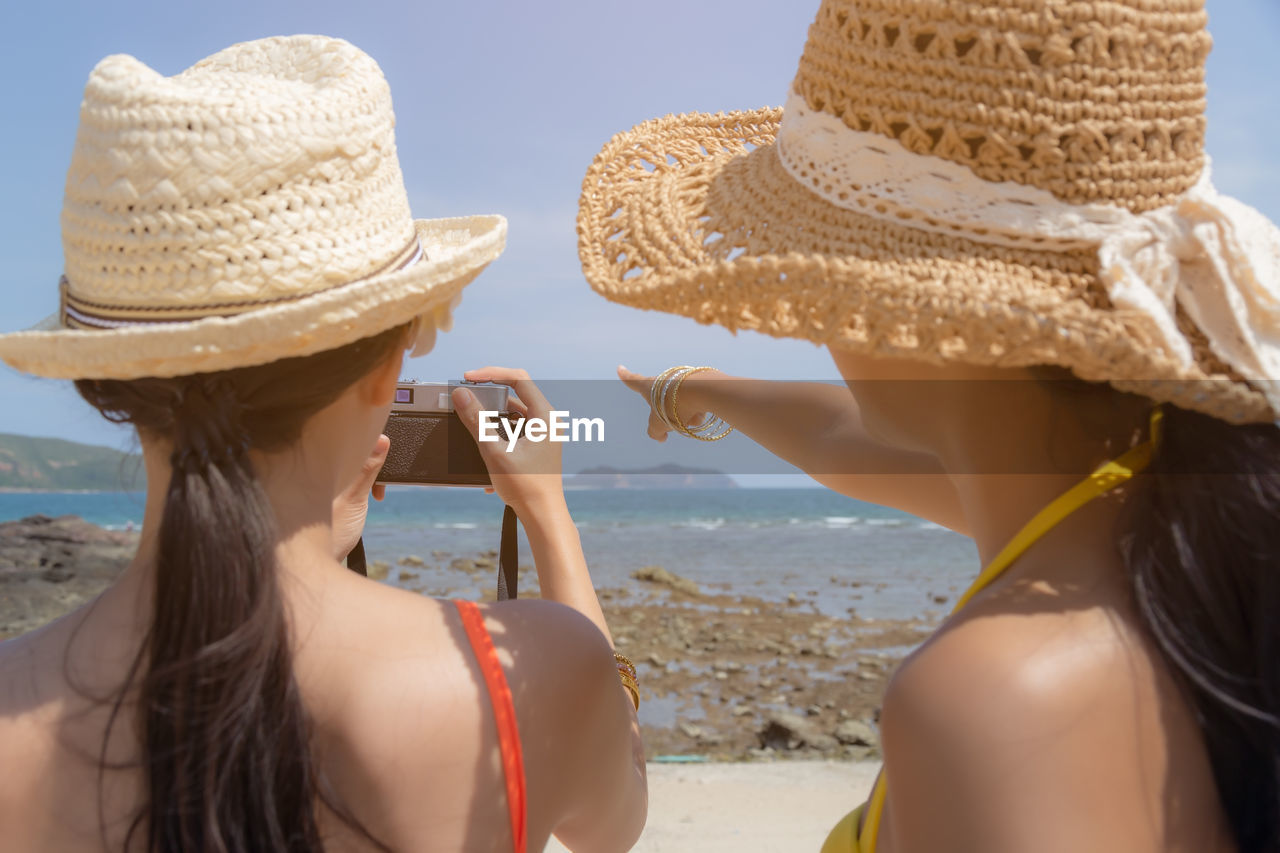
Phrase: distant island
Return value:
(28, 463)
(667, 476)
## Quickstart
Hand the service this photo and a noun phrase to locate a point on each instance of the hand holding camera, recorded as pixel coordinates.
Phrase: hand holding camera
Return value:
(528, 477)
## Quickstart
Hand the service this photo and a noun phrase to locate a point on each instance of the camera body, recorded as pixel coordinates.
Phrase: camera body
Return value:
(430, 446)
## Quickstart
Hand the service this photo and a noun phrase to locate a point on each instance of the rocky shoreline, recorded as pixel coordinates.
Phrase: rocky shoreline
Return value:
(723, 676)
(49, 566)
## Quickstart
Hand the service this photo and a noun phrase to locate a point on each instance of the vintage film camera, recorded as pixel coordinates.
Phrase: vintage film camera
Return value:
(430, 446)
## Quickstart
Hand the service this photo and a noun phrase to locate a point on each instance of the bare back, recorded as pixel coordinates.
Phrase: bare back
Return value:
(403, 725)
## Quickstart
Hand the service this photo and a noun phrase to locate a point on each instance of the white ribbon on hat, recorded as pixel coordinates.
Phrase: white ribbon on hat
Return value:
(1213, 255)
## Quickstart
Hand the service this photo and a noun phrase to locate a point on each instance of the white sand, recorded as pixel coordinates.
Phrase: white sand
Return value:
(748, 808)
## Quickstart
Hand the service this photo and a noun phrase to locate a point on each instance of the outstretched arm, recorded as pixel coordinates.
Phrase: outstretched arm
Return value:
(817, 428)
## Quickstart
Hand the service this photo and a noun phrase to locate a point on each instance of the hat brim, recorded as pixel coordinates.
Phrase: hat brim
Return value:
(695, 215)
(456, 251)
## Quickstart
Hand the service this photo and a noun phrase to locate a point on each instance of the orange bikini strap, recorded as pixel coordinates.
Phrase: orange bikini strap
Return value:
(504, 715)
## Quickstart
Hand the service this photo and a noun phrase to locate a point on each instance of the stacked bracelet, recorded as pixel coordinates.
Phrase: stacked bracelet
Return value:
(627, 673)
(664, 397)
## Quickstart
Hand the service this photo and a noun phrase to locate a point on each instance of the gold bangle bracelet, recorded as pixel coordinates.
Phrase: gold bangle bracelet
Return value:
(657, 392)
(627, 675)
(713, 423)
(630, 685)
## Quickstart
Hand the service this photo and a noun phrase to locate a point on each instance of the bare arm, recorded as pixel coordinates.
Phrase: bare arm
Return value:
(588, 754)
(817, 428)
(595, 762)
(529, 480)
(562, 569)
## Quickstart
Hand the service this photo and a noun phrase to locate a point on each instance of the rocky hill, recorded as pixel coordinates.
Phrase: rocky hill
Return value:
(51, 464)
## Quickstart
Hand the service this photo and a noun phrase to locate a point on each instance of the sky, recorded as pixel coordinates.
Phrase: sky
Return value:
(500, 108)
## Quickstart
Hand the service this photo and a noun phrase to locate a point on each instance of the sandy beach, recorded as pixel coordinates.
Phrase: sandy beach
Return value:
(752, 807)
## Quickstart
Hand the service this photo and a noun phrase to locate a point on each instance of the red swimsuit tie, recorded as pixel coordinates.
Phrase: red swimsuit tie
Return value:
(504, 715)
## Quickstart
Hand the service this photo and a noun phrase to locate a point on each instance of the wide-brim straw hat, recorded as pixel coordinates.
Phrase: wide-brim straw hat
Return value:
(248, 209)
(1008, 184)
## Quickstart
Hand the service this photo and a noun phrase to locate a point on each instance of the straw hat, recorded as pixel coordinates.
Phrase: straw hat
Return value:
(248, 209)
(1006, 184)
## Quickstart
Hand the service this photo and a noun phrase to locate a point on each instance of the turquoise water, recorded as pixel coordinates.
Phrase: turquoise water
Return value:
(108, 509)
(834, 552)
(405, 506)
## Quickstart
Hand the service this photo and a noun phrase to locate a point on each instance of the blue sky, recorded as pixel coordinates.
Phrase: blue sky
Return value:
(501, 106)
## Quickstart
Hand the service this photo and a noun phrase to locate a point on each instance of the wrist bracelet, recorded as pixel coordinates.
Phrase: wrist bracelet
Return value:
(658, 393)
(713, 422)
(627, 674)
(664, 397)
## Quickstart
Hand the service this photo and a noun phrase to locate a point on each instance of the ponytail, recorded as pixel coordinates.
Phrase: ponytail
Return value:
(225, 736)
(1202, 545)
(225, 729)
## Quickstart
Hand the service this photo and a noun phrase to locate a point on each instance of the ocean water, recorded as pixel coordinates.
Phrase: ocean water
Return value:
(834, 553)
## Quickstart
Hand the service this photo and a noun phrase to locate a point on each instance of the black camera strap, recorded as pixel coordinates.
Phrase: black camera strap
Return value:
(508, 557)
(356, 559)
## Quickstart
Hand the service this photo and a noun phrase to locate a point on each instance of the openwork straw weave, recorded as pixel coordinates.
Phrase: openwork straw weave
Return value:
(1092, 102)
(248, 209)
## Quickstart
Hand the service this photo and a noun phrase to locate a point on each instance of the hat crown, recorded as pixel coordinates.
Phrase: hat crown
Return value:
(264, 172)
(1093, 102)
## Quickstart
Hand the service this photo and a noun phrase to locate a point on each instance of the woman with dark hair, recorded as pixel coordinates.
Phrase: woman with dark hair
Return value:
(242, 279)
(1061, 341)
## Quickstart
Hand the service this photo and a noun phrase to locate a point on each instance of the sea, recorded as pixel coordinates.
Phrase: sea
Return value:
(819, 549)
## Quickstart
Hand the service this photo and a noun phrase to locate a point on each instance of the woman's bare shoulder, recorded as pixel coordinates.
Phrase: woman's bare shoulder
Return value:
(1045, 712)
(408, 715)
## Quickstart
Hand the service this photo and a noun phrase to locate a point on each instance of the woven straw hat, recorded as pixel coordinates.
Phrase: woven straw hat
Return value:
(1012, 183)
(248, 209)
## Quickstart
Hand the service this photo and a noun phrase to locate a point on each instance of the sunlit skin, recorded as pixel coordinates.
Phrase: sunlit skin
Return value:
(1040, 718)
(402, 725)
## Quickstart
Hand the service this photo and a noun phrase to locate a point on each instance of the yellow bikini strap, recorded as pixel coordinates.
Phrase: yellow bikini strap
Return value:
(1106, 477)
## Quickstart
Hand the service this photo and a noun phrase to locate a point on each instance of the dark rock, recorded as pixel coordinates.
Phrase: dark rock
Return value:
(49, 566)
(788, 730)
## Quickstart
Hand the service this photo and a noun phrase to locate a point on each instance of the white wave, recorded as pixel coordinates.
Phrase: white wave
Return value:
(702, 523)
(457, 525)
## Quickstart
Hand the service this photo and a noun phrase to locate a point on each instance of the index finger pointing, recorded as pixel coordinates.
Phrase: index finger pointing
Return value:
(636, 382)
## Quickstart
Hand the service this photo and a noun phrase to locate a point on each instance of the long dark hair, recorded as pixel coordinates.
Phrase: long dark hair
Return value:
(225, 737)
(1202, 545)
